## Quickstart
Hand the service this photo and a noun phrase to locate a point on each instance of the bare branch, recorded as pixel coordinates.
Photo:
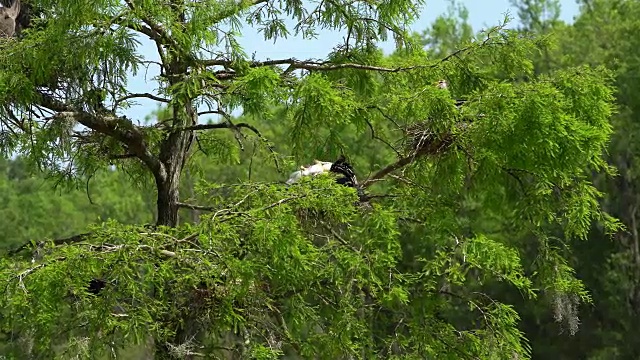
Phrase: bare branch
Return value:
(443, 142)
(121, 156)
(223, 125)
(196, 207)
(229, 125)
(160, 251)
(389, 169)
(200, 145)
(281, 201)
(219, 112)
(120, 128)
(314, 65)
(61, 241)
(328, 66)
(385, 115)
(141, 95)
(376, 137)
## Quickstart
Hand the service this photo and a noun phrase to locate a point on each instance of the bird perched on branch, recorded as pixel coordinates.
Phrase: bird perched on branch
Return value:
(442, 84)
(8, 16)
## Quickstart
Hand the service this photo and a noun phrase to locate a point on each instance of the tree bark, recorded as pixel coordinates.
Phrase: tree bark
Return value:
(168, 198)
(174, 151)
(173, 155)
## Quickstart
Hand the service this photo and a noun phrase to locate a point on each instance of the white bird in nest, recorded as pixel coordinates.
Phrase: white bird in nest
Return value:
(318, 167)
(344, 172)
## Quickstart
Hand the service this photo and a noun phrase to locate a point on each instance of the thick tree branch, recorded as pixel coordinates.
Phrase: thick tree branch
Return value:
(389, 169)
(223, 125)
(64, 241)
(120, 128)
(314, 65)
(121, 156)
(441, 143)
(235, 10)
(154, 31)
(61, 241)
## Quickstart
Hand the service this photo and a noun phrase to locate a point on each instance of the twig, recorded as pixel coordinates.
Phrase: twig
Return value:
(87, 190)
(229, 125)
(163, 252)
(281, 201)
(340, 238)
(28, 271)
(196, 207)
(211, 112)
(141, 95)
(200, 145)
(375, 137)
(384, 115)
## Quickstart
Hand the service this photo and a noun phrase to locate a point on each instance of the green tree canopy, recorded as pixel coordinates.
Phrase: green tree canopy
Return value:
(304, 270)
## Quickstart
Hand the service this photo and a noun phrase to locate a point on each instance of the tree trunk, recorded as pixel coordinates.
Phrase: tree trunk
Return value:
(168, 198)
(173, 155)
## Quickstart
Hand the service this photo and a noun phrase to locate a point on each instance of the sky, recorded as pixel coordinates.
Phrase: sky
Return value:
(482, 14)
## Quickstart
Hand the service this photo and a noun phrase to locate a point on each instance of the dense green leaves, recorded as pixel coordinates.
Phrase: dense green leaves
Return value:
(461, 193)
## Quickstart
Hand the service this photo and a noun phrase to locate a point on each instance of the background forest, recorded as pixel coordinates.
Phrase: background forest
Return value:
(598, 321)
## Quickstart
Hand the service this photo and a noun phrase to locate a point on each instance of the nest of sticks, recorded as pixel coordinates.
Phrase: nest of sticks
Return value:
(421, 139)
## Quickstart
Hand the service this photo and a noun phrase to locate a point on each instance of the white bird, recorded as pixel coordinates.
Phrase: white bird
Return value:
(341, 168)
(318, 167)
(8, 16)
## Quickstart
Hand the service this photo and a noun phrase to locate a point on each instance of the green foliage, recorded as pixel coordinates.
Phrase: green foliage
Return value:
(461, 195)
(235, 272)
(602, 36)
(33, 210)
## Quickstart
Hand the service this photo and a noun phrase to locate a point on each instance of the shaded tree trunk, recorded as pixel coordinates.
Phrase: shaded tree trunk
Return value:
(174, 152)
(173, 155)
(168, 197)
